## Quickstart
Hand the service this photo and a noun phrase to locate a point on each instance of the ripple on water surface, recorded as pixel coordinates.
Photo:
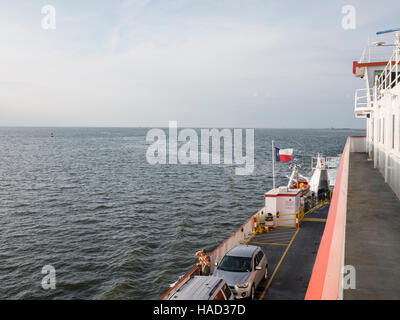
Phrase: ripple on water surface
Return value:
(113, 226)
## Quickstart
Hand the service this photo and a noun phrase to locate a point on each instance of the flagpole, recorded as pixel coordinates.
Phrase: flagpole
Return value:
(273, 164)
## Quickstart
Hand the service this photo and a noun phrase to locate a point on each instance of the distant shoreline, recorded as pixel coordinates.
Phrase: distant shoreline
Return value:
(194, 127)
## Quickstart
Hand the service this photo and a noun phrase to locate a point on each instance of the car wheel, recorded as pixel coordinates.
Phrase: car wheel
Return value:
(252, 292)
(266, 272)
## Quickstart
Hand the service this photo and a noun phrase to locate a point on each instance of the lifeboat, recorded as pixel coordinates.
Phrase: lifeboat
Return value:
(301, 184)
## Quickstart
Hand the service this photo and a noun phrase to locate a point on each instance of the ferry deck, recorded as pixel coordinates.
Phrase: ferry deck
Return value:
(359, 227)
(371, 240)
(372, 232)
(291, 254)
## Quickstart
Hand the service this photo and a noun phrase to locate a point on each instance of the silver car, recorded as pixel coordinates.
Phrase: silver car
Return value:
(243, 268)
(203, 288)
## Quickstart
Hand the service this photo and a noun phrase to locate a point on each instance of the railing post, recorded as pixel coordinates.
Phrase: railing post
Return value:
(397, 64)
(386, 77)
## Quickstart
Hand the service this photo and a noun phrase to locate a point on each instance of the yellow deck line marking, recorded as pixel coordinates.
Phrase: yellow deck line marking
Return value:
(283, 231)
(289, 233)
(271, 236)
(280, 233)
(270, 243)
(277, 236)
(277, 267)
(315, 219)
(313, 209)
(264, 235)
(273, 240)
(248, 240)
(320, 205)
(284, 228)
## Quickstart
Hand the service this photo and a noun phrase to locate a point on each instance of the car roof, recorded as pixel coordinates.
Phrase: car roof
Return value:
(243, 251)
(197, 288)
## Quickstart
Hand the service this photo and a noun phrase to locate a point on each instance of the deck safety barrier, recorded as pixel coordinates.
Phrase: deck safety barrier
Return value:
(260, 224)
(390, 76)
(363, 99)
(326, 278)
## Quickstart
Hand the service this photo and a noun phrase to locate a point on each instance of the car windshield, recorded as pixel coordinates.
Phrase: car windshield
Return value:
(235, 264)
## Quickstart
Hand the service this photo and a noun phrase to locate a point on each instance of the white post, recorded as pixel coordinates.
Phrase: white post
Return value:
(397, 55)
(273, 164)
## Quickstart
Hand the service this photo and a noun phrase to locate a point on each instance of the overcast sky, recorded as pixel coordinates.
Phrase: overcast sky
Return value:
(204, 63)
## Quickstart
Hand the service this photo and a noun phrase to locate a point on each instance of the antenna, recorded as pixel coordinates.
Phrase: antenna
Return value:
(396, 39)
(387, 31)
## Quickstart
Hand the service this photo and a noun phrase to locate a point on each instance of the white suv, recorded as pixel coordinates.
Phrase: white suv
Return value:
(203, 288)
(243, 268)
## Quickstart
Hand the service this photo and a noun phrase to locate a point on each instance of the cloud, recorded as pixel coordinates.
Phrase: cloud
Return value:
(145, 62)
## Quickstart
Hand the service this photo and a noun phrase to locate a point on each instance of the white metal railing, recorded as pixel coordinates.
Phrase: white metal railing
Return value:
(390, 77)
(327, 162)
(375, 54)
(363, 99)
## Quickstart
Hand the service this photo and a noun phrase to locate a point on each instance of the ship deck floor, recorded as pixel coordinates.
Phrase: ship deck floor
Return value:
(291, 254)
(372, 232)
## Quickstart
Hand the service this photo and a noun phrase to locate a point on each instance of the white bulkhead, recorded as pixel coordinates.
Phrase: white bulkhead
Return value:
(283, 203)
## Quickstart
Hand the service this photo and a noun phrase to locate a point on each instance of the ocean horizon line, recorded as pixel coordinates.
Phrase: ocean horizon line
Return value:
(193, 127)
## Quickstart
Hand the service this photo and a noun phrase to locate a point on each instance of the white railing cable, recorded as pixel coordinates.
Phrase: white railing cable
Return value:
(386, 80)
(363, 98)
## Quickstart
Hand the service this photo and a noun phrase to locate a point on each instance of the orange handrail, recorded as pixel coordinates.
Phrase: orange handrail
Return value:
(326, 275)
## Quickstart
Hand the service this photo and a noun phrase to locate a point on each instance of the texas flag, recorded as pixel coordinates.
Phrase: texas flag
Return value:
(283, 155)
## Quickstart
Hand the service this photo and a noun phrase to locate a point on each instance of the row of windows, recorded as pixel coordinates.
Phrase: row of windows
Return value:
(381, 131)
